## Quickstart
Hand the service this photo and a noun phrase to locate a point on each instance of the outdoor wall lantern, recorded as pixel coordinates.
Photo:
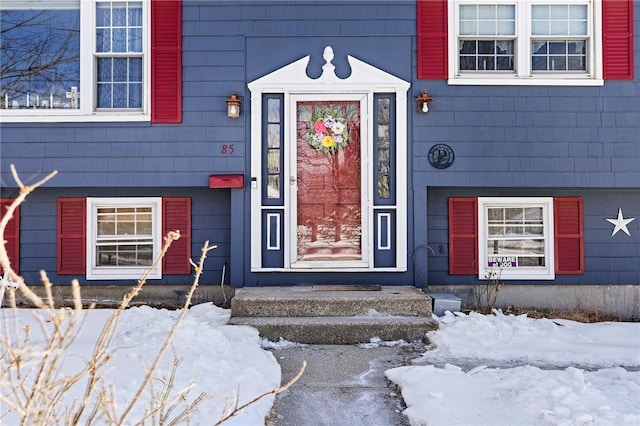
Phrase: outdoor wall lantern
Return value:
(233, 106)
(423, 102)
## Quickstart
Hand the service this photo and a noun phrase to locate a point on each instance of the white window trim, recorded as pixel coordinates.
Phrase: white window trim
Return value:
(118, 272)
(365, 80)
(523, 273)
(88, 88)
(523, 75)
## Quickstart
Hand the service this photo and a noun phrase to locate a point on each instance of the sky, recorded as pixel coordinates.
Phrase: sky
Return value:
(478, 369)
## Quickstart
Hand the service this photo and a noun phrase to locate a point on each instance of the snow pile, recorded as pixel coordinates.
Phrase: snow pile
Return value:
(223, 360)
(557, 342)
(524, 394)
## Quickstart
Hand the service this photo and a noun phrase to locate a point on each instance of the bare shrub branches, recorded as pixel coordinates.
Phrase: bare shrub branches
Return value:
(36, 378)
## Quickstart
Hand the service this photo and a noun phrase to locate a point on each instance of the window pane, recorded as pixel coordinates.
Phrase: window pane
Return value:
(513, 215)
(559, 20)
(487, 20)
(119, 29)
(104, 95)
(515, 237)
(119, 43)
(103, 40)
(135, 69)
(119, 69)
(304, 112)
(124, 236)
(384, 191)
(119, 96)
(103, 15)
(273, 135)
(273, 161)
(560, 12)
(119, 82)
(135, 14)
(486, 12)
(533, 214)
(383, 136)
(119, 14)
(468, 12)
(273, 187)
(383, 161)
(273, 110)
(384, 105)
(40, 60)
(554, 55)
(516, 247)
(487, 55)
(468, 28)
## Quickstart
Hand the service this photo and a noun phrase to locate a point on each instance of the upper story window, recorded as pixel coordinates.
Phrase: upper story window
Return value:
(525, 42)
(69, 59)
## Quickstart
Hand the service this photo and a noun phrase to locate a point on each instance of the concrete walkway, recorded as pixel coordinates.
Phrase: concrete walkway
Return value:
(342, 385)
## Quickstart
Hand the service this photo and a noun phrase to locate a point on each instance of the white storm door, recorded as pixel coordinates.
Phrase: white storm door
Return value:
(328, 199)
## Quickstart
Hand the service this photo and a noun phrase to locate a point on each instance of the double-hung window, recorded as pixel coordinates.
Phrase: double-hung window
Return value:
(515, 238)
(124, 234)
(119, 55)
(525, 42)
(75, 60)
(521, 238)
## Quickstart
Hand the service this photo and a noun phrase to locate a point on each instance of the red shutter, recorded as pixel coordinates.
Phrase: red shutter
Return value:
(463, 236)
(11, 235)
(432, 38)
(166, 61)
(617, 39)
(568, 235)
(176, 216)
(72, 232)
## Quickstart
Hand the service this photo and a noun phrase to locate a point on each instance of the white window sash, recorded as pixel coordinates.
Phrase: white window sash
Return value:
(546, 272)
(95, 272)
(523, 74)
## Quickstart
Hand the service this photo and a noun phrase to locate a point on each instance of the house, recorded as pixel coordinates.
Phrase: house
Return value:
(415, 142)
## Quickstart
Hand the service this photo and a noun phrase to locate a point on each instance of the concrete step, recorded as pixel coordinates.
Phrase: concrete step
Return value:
(334, 314)
(343, 330)
(325, 300)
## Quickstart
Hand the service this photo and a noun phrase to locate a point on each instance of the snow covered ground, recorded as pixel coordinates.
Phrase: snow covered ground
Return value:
(225, 360)
(481, 370)
(515, 370)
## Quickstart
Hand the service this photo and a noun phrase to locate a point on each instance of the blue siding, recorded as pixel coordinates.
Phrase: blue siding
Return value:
(608, 259)
(210, 221)
(507, 140)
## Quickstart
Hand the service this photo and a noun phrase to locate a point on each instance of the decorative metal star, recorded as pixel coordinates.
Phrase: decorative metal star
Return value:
(620, 223)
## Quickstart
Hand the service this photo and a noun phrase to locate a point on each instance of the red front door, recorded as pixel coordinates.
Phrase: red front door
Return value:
(329, 196)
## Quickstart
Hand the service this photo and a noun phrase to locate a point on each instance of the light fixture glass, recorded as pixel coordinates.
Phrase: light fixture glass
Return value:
(423, 102)
(233, 106)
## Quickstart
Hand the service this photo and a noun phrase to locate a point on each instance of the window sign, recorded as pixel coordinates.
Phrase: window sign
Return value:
(499, 262)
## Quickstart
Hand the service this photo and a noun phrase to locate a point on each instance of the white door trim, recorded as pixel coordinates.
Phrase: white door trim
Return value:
(364, 81)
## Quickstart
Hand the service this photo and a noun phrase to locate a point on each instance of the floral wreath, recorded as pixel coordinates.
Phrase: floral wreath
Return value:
(328, 132)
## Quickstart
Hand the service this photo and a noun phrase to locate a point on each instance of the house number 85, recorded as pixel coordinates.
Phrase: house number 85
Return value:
(227, 149)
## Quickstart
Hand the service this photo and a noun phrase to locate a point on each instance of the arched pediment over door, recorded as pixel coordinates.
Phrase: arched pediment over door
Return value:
(328, 169)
